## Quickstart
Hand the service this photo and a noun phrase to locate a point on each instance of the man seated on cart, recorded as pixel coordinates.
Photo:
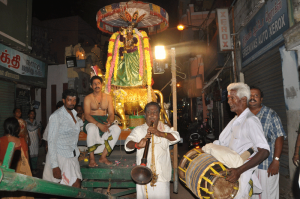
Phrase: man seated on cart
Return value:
(101, 134)
(159, 161)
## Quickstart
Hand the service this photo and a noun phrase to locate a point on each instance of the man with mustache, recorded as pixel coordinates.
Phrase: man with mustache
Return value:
(268, 170)
(164, 136)
(63, 135)
(101, 134)
(243, 132)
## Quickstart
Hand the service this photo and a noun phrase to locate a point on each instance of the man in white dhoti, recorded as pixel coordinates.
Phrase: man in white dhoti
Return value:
(159, 161)
(63, 135)
(243, 132)
(101, 135)
(47, 173)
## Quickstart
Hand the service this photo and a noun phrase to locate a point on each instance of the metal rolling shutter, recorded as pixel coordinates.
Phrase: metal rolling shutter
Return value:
(266, 73)
(7, 102)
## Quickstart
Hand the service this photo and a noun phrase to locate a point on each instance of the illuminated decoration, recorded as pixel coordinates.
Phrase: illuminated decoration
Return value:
(148, 15)
(180, 27)
(160, 52)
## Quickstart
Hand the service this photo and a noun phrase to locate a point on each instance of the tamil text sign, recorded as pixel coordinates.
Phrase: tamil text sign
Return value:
(264, 30)
(20, 67)
(224, 29)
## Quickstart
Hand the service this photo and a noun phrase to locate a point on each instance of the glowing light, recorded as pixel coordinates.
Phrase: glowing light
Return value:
(197, 147)
(160, 52)
(178, 85)
(180, 27)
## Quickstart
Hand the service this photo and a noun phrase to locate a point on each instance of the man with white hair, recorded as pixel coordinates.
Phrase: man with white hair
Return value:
(244, 131)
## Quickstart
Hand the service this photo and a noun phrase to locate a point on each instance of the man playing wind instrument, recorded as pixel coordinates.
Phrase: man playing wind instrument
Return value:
(158, 158)
(101, 135)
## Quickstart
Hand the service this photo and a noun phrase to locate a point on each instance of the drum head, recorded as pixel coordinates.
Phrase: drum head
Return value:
(222, 188)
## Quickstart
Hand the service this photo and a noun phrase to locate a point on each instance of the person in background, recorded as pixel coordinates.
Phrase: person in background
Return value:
(23, 127)
(11, 134)
(34, 131)
(296, 153)
(80, 115)
(268, 170)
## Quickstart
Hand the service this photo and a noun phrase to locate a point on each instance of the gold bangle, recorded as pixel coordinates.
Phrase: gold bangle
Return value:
(165, 135)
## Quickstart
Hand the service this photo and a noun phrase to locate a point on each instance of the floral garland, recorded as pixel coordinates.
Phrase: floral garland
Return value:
(112, 58)
(141, 56)
(115, 59)
(147, 57)
(109, 54)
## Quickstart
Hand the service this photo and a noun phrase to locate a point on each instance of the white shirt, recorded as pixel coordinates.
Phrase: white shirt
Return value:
(63, 135)
(243, 132)
(161, 150)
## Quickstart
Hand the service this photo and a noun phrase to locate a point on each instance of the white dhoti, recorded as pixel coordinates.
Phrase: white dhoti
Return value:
(270, 185)
(48, 173)
(160, 191)
(70, 170)
(107, 140)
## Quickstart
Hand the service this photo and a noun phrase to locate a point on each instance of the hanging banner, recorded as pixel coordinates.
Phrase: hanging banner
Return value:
(20, 67)
(264, 30)
(224, 29)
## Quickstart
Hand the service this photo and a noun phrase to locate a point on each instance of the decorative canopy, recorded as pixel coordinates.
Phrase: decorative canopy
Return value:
(145, 15)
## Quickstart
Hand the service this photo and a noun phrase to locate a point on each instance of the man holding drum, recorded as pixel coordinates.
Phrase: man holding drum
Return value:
(244, 131)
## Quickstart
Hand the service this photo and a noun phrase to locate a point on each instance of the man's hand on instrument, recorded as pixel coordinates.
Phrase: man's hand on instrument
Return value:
(273, 168)
(153, 130)
(56, 173)
(296, 159)
(143, 141)
(234, 175)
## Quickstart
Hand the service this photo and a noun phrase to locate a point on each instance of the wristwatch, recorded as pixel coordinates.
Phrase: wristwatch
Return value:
(276, 158)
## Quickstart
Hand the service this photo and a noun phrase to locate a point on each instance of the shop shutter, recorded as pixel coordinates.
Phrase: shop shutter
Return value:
(7, 101)
(266, 73)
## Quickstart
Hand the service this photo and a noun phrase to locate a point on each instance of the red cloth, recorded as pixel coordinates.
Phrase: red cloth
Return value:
(4, 144)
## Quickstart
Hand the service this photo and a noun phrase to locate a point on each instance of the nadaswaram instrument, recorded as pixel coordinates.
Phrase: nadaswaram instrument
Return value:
(141, 174)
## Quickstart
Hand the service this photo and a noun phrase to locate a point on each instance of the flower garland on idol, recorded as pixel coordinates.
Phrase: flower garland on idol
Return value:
(114, 53)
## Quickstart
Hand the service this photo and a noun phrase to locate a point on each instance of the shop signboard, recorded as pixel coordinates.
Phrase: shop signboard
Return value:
(224, 29)
(264, 30)
(22, 68)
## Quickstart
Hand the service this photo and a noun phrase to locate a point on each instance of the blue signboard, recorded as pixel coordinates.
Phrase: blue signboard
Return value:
(264, 31)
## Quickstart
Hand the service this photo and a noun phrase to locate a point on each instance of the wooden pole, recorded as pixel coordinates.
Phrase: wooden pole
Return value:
(173, 71)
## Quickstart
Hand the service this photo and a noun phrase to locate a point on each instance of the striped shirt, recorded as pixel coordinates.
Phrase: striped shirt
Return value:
(63, 135)
(273, 129)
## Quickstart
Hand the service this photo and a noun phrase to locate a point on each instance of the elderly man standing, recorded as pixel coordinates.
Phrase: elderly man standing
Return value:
(268, 170)
(244, 131)
(160, 161)
(63, 135)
